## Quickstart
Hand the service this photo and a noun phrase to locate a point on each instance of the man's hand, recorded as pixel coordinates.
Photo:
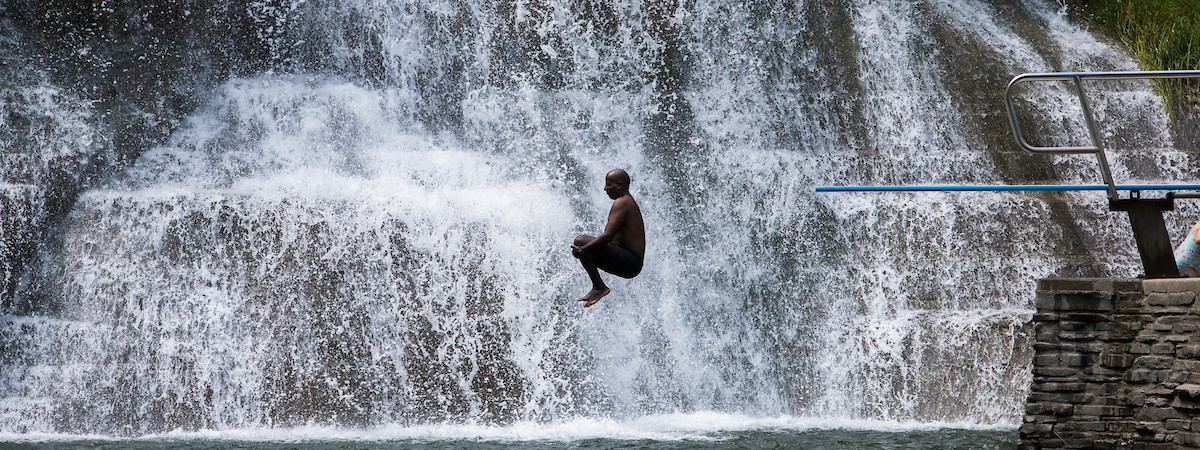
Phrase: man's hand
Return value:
(576, 251)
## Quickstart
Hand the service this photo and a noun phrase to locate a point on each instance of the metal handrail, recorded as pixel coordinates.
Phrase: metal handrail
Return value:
(1097, 147)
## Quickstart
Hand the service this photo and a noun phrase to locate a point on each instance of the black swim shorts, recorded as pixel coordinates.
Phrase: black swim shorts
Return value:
(618, 261)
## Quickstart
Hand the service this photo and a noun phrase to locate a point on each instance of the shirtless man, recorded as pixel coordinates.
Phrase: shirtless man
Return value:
(620, 248)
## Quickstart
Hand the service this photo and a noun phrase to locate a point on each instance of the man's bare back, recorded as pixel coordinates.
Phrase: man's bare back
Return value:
(621, 248)
(631, 232)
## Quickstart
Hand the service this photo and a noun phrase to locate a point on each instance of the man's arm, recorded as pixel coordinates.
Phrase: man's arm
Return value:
(616, 221)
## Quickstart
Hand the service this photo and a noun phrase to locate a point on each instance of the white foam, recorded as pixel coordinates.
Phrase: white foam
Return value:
(697, 426)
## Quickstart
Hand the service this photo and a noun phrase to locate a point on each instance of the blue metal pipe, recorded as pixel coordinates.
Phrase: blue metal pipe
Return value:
(1032, 187)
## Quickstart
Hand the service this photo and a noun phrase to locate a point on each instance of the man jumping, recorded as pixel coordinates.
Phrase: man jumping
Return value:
(620, 248)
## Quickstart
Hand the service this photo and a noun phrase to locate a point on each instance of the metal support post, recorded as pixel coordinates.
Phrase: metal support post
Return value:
(1150, 233)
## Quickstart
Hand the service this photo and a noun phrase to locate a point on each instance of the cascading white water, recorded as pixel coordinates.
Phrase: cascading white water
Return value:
(943, 280)
(376, 231)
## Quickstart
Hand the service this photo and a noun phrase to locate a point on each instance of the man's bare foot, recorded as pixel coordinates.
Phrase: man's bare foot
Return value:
(594, 296)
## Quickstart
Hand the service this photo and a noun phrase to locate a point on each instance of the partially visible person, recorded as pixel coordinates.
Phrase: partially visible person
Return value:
(1187, 255)
(620, 249)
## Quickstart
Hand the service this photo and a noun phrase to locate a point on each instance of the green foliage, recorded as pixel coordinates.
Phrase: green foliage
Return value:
(1163, 35)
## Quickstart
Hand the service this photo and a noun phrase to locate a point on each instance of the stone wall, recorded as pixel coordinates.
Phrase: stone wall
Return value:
(1116, 365)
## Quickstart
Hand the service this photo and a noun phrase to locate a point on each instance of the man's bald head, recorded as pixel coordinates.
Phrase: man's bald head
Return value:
(620, 176)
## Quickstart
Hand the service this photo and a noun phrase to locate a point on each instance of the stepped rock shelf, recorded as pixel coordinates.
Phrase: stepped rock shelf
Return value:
(1116, 364)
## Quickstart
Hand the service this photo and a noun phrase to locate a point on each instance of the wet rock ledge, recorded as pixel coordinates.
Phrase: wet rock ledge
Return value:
(1116, 365)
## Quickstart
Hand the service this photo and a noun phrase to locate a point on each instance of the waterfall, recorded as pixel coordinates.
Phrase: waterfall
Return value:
(367, 221)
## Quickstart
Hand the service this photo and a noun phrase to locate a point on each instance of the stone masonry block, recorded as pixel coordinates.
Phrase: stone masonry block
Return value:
(1114, 348)
(1085, 318)
(1076, 284)
(1179, 424)
(1071, 359)
(1113, 441)
(1129, 303)
(1084, 347)
(1170, 319)
(1160, 326)
(1188, 390)
(1108, 390)
(1157, 402)
(1041, 418)
(1128, 285)
(1045, 317)
(1137, 321)
(1122, 426)
(1191, 351)
(1060, 387)
(1186, 404)
(1051, 359)
(1176, 378)
(1150, 427)
(1159, 389)
(1158, 415)
(1058, 380)
(1073, 325)
(1148, 337)
(1037, 429)
(1138, 376)
(1080, 426)
(1084, 335)
(1163, 348)
(1046, 303)
(1154, 362)
(1131, 398)
(1081, 440)
(1186, 366)
(1188, 439)
(1118, 360)
(1103, 410)
(1045, 332)
(1050, 409)
(1046, 347)
(1080, 301)
(1062, 397)
(1103, 377)
(1171, 299)
(1170, 285)
(1119, 333)
(1058, 372)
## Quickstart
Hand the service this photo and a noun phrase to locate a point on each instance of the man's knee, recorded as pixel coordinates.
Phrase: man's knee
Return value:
(583, 239)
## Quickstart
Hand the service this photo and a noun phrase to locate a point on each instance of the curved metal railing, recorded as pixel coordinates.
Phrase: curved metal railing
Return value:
(1097, 147)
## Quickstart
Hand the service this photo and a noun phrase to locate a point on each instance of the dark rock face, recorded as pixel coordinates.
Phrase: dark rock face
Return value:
(86, 88)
